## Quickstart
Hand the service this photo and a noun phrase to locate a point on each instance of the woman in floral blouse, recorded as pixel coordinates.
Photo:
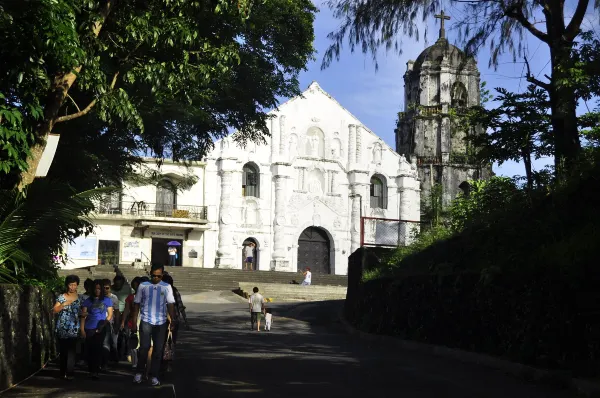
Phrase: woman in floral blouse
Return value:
(67, 326)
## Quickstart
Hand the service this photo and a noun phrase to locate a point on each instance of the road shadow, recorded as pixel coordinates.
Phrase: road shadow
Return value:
(306, 354)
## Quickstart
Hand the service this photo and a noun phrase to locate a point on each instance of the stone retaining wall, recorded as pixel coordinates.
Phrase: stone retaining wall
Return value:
(26, 332)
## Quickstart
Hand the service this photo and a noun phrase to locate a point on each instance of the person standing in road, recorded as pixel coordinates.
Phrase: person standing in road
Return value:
(256, 303)
(97, 311)
(110, 338)
(67, 326)
(152, 301)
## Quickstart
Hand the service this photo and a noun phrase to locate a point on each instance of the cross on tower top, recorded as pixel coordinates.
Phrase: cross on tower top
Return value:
(441, 16)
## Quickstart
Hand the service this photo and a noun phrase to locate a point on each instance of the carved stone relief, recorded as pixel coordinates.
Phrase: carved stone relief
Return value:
(293, 145)
(377, 153)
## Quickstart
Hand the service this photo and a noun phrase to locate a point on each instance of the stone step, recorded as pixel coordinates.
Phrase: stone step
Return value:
(192, 280)
(279, 292)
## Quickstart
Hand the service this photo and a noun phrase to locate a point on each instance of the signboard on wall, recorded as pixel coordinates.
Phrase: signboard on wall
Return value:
(166, 234)
(83, 248)
(132, 250)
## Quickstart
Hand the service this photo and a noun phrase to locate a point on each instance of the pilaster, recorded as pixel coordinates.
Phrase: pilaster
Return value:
(351, 145)
(355, 218)
(283, 140)
(226, 218)
(279, 262)
(274, 139)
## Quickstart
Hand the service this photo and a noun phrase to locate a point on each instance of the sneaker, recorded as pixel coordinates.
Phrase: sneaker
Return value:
(137, 379)
(155, 382)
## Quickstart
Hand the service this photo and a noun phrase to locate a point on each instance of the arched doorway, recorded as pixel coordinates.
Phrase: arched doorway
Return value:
(255, 258)
(313, 250)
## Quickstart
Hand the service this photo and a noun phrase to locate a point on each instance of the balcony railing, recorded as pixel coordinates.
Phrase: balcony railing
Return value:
(145, 209)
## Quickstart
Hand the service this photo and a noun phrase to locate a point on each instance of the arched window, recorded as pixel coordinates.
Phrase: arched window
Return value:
(465, 187)
(166, 198)
(378, 192)
(459, 95)
(250, 181)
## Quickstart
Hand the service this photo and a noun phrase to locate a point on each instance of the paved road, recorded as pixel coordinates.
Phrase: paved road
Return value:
(306, 354)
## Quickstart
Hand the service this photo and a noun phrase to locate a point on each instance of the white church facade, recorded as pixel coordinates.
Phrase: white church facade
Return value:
(299, 197)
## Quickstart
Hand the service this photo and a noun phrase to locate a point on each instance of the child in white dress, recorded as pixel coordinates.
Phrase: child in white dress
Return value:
(268, 319)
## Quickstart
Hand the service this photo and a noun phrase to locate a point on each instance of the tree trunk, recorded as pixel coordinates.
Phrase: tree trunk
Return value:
(563, 101)
(563, 106)
(526, 155)
(59, 89)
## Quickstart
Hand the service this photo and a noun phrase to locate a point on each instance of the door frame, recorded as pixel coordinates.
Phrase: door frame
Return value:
(330, 248)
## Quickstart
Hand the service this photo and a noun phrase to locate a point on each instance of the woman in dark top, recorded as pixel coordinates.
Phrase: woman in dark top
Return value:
(97, 311)
(67, 325)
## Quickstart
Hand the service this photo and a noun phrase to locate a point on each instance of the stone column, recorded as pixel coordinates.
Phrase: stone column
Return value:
(274, 139)
(409, 207)
(283, 144)
(280, 261)
(355, 219)
(303, 176)
(334, 182)
(351, 145)
(225, 249)
(359, 145)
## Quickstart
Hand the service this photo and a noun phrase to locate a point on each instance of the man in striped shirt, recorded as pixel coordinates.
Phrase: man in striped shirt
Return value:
(152, 300)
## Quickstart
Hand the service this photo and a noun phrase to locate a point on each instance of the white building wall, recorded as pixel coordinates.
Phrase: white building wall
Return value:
(318, 176)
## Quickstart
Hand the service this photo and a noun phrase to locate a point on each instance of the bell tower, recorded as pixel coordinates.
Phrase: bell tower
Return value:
(441, 81)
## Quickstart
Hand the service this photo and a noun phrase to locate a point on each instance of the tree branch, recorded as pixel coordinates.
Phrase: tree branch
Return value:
(74, 103)
(517, 13)
(574, 26)
(531, 79)
(88, 108)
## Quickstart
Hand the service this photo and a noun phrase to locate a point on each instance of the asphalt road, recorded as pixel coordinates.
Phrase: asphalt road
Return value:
(307, 354)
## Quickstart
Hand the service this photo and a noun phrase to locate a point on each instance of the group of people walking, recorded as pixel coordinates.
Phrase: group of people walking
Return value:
(119, 320)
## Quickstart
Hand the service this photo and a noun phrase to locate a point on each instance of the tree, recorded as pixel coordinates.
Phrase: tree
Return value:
(486, 198)
(169, 75)
(501, 24)
(518, 129)
(36, 222)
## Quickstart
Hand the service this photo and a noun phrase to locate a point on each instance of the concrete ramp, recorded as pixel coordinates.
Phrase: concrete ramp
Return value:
(286, 292)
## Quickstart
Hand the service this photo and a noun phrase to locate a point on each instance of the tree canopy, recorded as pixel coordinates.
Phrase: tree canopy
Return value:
(118, 77)
(501, 24)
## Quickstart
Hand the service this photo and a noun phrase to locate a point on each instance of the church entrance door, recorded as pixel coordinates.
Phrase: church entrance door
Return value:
(313, 250)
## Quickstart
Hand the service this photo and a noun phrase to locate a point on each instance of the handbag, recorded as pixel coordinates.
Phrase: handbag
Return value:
(169, 351)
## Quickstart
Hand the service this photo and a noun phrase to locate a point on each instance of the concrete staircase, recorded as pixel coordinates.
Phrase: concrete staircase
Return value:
(281, 293)
(196, 280)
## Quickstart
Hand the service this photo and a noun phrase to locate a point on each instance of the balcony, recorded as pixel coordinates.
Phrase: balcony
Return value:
(148, 211)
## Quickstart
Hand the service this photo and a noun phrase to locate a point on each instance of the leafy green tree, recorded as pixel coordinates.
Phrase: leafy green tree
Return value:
(35, 223)
(519, 129)
(169, 75)
(503, 24)
(486, 197)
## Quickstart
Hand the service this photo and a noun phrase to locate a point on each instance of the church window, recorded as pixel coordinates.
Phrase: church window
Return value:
(465, 187)
(459, 95)
(166, 198)
(250, 181)
(378, 192)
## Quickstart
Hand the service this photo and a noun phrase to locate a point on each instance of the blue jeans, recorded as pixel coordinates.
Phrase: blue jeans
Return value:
(158, 334)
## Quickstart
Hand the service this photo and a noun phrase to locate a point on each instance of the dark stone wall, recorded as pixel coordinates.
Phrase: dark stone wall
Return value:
(26, 332)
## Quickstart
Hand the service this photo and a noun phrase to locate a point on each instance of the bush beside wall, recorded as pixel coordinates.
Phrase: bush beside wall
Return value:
(27, 338)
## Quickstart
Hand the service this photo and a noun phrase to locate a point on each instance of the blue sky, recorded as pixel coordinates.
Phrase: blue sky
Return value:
(375, 97)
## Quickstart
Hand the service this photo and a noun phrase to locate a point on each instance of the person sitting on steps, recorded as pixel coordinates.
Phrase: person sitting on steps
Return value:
(307, 277)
